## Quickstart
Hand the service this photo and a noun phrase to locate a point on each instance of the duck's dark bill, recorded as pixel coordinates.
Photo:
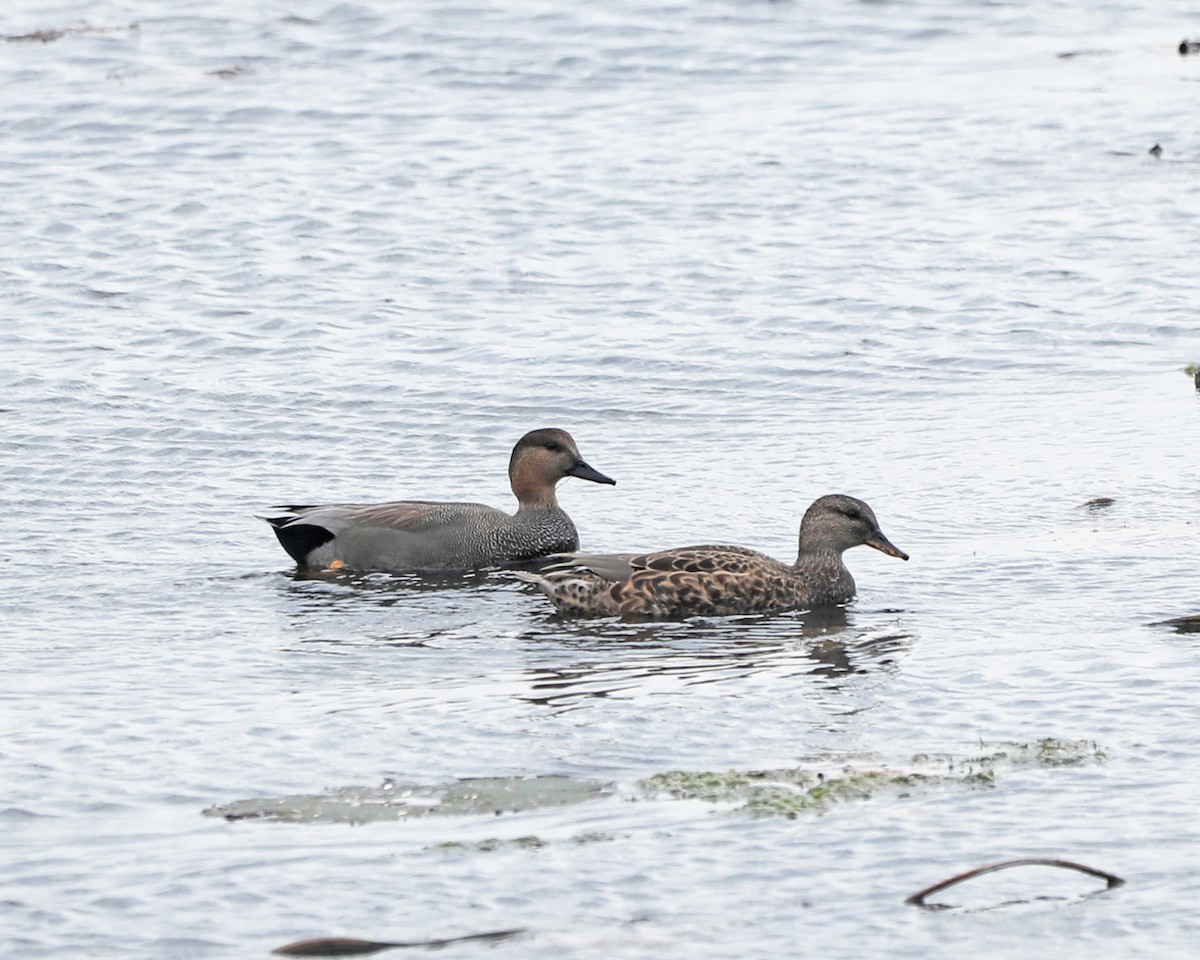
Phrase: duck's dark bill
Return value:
(880, 542)
(584, 472)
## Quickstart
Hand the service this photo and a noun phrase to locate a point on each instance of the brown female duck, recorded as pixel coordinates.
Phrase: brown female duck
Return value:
(408, 535)
(718, 580)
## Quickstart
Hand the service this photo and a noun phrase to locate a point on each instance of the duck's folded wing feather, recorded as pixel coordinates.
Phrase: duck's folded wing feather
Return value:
(698, 559)
(607, 566)
(408, 516)
(704, 558)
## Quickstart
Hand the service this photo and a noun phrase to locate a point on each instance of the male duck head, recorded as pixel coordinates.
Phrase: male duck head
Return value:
(541, 459)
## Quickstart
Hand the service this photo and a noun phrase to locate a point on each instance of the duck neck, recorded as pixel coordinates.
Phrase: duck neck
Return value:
(809, 557)
(824, 576)
(532, 490)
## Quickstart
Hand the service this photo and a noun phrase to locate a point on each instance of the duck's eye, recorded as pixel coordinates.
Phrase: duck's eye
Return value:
(554, 446)
(852, 513)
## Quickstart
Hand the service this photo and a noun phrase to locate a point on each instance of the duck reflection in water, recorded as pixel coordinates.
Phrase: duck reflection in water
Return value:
(624, 660)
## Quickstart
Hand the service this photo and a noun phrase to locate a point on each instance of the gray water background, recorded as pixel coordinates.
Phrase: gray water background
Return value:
(747, 253)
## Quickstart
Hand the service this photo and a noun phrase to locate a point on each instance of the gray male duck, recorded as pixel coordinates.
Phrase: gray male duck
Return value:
(414, 535)
(720, 580)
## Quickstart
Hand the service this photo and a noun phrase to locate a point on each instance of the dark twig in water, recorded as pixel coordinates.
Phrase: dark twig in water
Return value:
(57, 33)
(350, 947)
(37, 36)
(1190, 624)
(228, 73)
(918, 899)
(1099, 503)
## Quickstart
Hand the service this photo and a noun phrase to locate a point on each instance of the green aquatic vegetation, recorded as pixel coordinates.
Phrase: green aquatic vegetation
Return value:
(806, 789)
(403, 801)
(722, 786)
(531, 842)
(790, 792)
(594, 836)
(813, 786)
(489, 845)
(859, 785)
(1047, 752)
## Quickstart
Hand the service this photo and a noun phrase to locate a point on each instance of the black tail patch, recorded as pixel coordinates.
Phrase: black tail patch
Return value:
(299, 539)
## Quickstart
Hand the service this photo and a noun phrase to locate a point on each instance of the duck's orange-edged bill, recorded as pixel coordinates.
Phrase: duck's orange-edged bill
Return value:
(880, 542)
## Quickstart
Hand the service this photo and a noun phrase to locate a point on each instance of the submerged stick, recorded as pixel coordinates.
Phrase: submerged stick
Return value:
(350, 947)
(918, 899)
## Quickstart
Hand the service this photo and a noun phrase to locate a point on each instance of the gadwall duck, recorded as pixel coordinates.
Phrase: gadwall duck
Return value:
(409, 535)
(718, 580)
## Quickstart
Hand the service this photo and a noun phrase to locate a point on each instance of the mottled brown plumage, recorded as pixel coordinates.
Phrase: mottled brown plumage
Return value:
(408, 535)
(717, 580)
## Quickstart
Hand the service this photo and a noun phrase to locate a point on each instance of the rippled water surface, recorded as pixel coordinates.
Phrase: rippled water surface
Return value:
(747, 253)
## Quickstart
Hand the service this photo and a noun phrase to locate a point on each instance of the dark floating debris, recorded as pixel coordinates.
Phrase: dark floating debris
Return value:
(1190, 624)
(1099, 503)
(918, 899)
(350, 947)
(228, 73)
(57, 33)
(37, 36)
(1188, 46)
(1155, 151)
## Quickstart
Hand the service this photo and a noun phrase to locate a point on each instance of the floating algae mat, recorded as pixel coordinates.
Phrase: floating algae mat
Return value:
(401, 801)
(814, 788)
(810, 787)
(492, 844)
(1047, 752)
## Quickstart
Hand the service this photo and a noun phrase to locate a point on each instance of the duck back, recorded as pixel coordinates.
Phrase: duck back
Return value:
(417, 535)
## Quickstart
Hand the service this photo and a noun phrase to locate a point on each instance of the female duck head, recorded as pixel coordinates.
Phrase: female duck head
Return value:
(835, 523)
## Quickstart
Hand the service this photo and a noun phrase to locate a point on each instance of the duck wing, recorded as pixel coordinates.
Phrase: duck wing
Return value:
(619, 567)
(405, 516)
(607, 566)
(705, 558)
